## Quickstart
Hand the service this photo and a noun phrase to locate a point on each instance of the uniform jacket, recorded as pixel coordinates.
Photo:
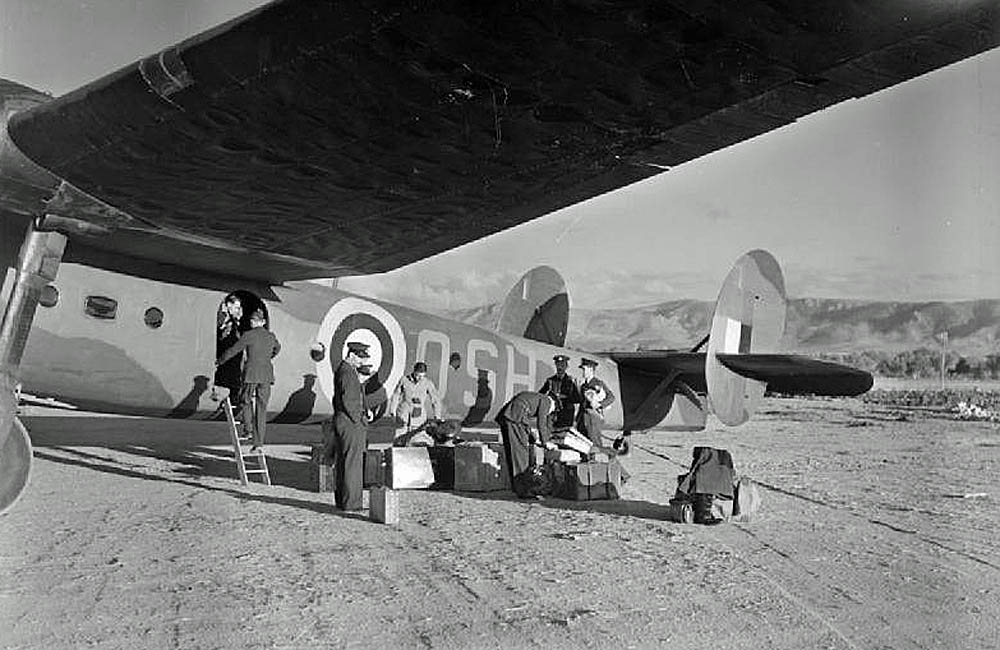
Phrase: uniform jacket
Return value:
(596, 384)
(261, 346)
(569, 395)
(529, 408)
(347, 396)
(410, 394)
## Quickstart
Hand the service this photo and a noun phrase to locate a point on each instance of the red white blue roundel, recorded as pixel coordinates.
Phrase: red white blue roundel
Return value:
(352, 320)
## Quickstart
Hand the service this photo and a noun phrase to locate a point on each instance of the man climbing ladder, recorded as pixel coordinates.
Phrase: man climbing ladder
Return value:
(241, 453)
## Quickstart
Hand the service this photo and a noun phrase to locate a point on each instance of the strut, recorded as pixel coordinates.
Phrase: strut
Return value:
(38, 263)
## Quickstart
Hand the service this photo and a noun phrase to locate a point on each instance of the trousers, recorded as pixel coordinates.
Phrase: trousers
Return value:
(254, 412)
(349, 442)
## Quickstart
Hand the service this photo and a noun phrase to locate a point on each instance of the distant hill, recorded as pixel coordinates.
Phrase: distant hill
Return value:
(814, 326)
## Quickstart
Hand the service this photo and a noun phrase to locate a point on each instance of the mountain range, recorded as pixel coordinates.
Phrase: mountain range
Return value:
(813, 326)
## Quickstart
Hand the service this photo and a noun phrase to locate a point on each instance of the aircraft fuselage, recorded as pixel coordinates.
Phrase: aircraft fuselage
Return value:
(124, 344)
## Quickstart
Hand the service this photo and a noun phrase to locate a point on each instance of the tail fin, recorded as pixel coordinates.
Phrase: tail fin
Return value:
(537, 307)
(749, 318)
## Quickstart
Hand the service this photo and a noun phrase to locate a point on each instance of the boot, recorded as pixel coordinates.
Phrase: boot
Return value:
(702, 504)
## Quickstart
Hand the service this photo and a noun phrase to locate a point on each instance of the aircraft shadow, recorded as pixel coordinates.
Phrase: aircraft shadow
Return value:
(199, 448)
(91, 461)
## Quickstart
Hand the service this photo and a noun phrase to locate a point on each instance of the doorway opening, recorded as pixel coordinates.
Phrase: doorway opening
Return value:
(232, 320)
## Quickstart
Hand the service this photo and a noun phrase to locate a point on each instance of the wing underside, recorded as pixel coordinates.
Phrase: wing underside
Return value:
(331, 138)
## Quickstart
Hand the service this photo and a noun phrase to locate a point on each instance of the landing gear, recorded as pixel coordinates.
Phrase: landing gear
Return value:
(38, 263)
(15, 464)
(621, 444)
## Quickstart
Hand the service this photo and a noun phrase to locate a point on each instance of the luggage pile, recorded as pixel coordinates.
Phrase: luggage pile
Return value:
(711, 493)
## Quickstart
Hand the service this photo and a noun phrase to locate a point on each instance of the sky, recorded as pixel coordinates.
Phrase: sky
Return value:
(895, 196)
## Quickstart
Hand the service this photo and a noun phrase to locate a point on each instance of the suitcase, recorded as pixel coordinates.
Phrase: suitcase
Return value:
(563, 456)
(373, 474)
(321, 474)
(383, 505)
(443, 464)
(480, 467)
(408, 468)
(587, 481)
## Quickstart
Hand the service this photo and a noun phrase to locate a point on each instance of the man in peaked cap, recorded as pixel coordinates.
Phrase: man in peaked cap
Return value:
(349, 428)
(596, 397)
(564, 388)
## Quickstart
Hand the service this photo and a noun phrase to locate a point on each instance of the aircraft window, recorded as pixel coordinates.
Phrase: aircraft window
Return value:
(317, 351)
(154, 317)
(49, 296)
(102, 307)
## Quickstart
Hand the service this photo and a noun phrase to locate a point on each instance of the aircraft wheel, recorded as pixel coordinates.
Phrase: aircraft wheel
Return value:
(621, 445)
(15, 465)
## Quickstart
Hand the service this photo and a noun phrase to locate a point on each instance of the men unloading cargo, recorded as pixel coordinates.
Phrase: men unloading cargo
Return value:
(413, 401)
(515, 419)
(564, 388)
(596, 397)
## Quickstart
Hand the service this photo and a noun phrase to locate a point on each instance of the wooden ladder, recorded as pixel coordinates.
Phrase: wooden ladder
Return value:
(241, 453)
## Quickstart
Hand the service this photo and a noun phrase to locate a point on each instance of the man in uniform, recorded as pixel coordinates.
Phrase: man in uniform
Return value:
(349, 428)
(596, 397)
(261, 346)
(563, 387)
(515, 419)
(410, 402)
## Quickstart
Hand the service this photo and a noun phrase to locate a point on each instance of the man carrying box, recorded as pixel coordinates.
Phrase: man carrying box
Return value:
(515, 419)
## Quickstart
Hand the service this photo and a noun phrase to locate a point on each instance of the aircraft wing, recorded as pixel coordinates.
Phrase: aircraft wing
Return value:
(316, 138)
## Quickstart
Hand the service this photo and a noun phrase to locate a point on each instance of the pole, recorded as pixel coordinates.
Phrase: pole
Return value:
(944, 345)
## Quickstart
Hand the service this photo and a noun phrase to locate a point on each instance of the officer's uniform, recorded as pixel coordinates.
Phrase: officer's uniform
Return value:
(349, 432)
(564, 388)
(410, 402)
(590, 420)
(258, 375)
(515, 419)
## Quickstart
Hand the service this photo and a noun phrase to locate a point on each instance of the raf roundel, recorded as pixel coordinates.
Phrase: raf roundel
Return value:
(352, 320)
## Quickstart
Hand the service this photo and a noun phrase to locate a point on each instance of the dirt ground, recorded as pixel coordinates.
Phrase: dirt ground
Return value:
(878, 529)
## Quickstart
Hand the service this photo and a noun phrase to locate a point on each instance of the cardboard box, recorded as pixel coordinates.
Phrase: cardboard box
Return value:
(383, 505)
(408, 468)
(480, 467)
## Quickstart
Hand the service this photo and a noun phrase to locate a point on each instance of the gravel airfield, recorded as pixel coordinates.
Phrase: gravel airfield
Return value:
(878, 529)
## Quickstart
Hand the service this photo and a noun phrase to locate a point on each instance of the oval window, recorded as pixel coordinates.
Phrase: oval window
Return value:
(49, 296)
(317, 351)
(153, 317)
(101, 307)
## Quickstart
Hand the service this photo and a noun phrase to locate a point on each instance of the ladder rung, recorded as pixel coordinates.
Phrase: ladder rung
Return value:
(256, 471)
